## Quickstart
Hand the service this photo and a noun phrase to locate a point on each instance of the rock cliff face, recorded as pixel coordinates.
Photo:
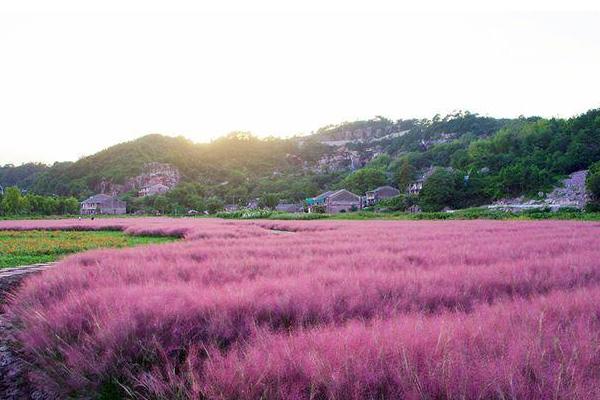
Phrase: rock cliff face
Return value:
(152, 173)
(571, 193)
(155, 173)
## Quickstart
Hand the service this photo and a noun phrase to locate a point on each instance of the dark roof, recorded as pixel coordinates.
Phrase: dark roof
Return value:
(385, 191)
(324, 195)
(98, 198)
(344, 194)
(289, 207)
(388, 189)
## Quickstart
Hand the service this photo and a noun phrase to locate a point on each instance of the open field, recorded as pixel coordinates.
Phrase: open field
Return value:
(319, 309)
(31, 247)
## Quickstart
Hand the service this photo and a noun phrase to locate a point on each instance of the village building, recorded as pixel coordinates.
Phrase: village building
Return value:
(231, 207)
(318, 201)
(253, 204)
(383, 192)
(415, 187)
(153, 190)
(342, 201)
(290, 207)
(103, 204)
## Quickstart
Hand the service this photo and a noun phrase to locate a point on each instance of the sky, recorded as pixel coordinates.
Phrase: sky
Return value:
(77, 77)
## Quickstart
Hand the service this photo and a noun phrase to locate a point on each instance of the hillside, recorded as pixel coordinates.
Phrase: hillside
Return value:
(499, 158)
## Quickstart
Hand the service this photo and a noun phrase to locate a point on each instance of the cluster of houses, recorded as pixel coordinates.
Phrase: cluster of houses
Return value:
(330, 202)
(343, 200)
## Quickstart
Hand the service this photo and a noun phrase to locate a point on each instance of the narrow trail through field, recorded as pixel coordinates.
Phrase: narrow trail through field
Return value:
(13, 371)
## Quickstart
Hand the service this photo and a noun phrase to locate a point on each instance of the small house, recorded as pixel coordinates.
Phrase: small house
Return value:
(102, 204)
(382, 192)
(153, 190)
(342, 201)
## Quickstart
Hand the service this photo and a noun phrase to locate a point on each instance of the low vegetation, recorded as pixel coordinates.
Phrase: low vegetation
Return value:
(13, 203)
(32, 247)
(332, 309)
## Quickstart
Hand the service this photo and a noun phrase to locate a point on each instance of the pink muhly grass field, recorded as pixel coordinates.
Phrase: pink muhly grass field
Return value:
(320, 309)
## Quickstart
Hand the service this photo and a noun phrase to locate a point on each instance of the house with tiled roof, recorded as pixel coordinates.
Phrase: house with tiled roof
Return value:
(102, 204)
(382, 192)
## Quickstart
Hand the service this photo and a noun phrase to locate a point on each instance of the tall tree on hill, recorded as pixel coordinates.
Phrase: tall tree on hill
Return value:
(405, 175)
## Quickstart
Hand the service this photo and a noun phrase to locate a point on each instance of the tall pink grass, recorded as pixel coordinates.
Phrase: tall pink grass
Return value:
(352, 309)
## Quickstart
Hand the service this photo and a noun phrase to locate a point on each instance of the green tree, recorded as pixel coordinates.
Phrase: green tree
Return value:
(592, 181)
(12, 201)
(69, 205)
(405, 175)
(269, 200)
(440, 190)
(213, 204)
(161, 203)
(380, 162)
(363, 180)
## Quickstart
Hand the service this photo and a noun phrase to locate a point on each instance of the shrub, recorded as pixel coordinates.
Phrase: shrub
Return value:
(592, 184)
(245, 214)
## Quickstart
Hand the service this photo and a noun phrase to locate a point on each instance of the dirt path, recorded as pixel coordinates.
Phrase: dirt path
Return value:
(13, 379)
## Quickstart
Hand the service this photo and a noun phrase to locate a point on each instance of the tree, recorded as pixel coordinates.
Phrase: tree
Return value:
(161, 203)
(70, 205)
(269, 200)
(592, 181)
(213, 204)
(380, 162)
(440, 190)
(12, 201)
(363, 180)
(405, 175)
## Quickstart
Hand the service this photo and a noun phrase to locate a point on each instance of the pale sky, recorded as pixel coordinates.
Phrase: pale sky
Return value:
(79, 76)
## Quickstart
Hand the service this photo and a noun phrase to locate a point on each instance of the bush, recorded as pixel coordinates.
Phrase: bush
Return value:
(298, 216)
(245, 214)
(397, 203)
(592, 184)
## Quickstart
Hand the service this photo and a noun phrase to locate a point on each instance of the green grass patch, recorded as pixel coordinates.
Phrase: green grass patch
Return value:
(32, 247)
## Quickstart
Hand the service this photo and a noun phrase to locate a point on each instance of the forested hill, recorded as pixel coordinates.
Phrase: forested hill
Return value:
(501, 157)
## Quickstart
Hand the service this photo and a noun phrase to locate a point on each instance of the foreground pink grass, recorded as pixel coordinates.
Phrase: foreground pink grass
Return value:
(195, 319)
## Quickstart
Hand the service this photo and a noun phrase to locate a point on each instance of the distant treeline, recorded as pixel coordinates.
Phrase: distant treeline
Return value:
(478, 159)
(14, 203)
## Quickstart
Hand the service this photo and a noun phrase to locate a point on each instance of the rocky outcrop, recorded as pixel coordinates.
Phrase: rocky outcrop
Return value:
(571, 193)
(153, 173)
